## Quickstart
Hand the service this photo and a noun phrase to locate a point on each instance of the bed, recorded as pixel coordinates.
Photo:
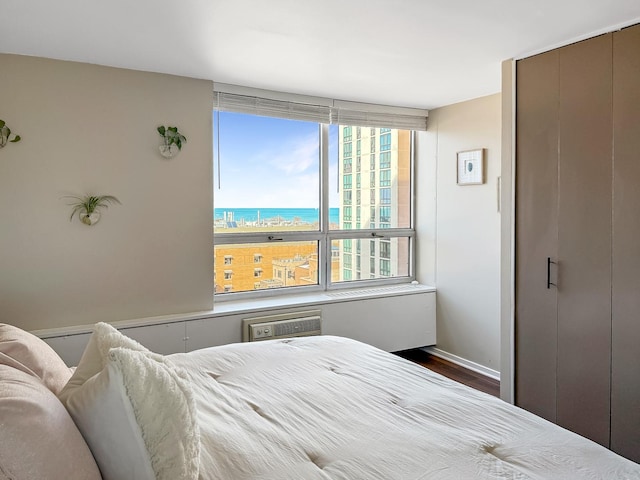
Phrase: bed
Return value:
(304, 408)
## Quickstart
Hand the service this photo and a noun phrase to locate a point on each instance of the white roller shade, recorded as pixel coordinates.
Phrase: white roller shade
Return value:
(229, 102)
(230, 98)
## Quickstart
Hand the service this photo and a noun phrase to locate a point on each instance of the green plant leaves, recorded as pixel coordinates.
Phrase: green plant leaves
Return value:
(5, 133)
(172, 136)
(89, 203)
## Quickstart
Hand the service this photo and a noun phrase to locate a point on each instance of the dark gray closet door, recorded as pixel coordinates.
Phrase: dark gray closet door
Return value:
(584, 238)
(536, 233)
(625, 392)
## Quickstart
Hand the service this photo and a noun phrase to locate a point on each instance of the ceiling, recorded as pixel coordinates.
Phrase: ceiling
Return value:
(417, 53)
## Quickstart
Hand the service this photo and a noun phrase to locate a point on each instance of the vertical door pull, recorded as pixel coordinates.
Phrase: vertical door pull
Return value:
(549, 262)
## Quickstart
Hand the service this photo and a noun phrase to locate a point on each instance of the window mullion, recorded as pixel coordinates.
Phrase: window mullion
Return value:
(325, 244)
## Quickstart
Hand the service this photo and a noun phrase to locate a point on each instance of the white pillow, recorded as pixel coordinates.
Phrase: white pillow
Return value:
(134, 410)
(104, 338)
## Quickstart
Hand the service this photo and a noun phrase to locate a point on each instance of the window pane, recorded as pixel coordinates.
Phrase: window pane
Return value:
(269, 174)
(391, 187)
(285, 264)
(388, 257)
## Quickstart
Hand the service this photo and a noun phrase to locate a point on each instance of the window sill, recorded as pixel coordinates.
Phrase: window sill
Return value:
(236, 307)
(232, 307)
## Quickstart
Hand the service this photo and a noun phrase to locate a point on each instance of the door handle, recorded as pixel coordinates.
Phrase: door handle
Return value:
(549, 262)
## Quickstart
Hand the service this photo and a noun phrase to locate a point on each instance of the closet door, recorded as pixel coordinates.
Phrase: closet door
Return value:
(584, 238)
(536, 227)
(625, 393)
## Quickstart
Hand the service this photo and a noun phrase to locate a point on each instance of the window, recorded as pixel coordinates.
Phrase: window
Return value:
(385, 178)
(385, 214)
(385, 250)
(385, 142)
(348, 148)
(385, 268)
(385, 196)
(385, 160)
(283, 202)
(346, 134)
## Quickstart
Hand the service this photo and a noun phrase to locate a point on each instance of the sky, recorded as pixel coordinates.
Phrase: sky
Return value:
(267, 162)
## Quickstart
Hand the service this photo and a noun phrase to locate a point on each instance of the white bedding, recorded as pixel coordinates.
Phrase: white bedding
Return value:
(332, 408)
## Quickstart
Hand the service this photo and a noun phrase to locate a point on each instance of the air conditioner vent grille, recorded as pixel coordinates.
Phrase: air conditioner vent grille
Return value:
(282, 326)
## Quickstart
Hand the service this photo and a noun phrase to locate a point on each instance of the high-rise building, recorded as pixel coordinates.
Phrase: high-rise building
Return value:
(375, 193)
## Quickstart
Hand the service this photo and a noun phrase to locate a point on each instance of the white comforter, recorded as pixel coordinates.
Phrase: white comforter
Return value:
(332, 408)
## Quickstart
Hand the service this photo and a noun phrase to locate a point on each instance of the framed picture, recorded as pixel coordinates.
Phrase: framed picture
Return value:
(471, 167)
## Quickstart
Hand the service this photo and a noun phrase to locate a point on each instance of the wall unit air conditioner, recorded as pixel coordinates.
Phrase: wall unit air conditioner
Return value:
(296, 324)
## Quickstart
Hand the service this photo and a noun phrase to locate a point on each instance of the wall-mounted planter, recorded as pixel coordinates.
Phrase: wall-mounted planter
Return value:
(172, 141)
(5, 135)
(88, 207)
(90, 218)
(169, 151)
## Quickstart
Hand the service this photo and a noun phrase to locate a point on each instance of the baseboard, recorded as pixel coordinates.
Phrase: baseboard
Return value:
(463, 362)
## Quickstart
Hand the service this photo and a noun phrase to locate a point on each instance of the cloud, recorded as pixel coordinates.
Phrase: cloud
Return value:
(297, 155)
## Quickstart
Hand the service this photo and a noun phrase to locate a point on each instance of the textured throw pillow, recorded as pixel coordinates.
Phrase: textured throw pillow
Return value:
(32, 355)
(38, 439)
(134, 410)
(103, 338)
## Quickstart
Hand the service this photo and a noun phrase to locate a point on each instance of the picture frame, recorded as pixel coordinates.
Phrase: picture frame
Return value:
(470, 167)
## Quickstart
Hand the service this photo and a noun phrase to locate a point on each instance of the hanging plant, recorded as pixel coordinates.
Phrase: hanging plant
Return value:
(172, 140)
(5, 134)
(88, 207)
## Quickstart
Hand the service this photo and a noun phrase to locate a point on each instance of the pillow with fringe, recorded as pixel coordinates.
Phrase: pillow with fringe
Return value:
(136, 413)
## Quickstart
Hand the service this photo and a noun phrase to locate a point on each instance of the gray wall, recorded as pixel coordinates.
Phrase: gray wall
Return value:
(91, 129)
(459, 229)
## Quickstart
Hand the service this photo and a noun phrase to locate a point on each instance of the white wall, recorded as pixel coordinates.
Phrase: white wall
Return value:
(458, 227)
(91, 129)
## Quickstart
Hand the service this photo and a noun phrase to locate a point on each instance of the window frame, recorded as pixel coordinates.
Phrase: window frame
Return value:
(324, 237)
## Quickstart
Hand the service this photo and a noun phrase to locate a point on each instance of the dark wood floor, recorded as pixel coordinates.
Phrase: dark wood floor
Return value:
(453, 371)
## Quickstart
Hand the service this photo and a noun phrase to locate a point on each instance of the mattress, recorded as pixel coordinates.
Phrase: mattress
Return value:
(332, 408)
